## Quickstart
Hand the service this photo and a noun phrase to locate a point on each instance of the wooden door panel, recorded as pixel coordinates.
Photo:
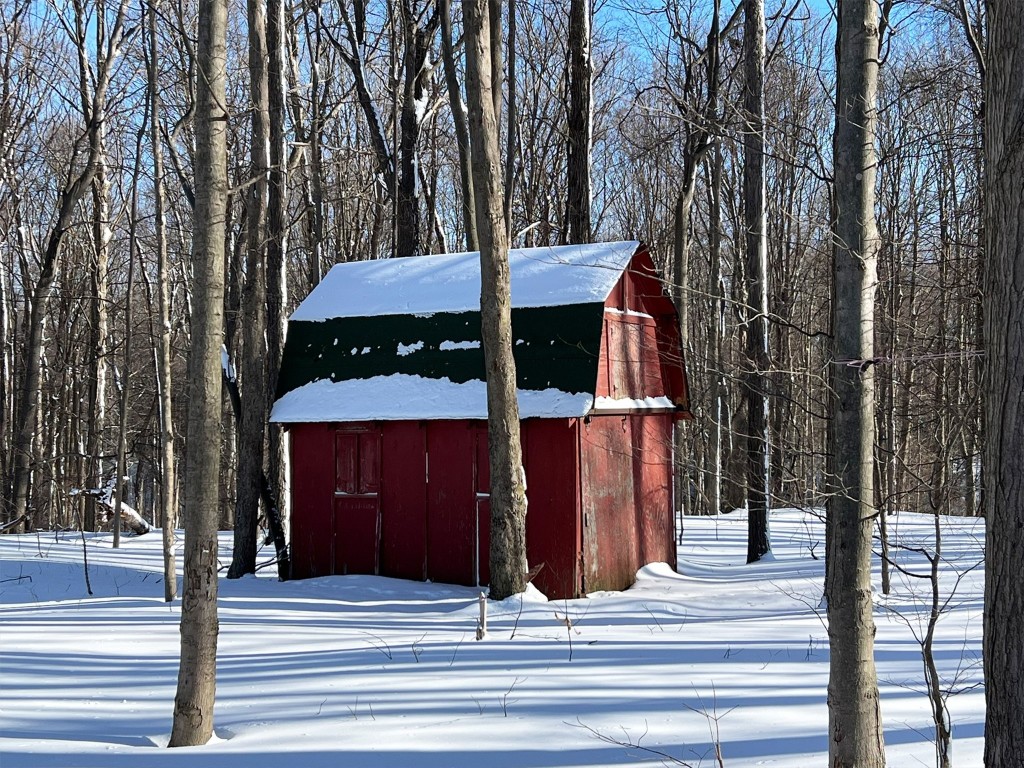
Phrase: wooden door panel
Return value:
(346, 461)
(355, 524)
(369, 463)
(356, 534)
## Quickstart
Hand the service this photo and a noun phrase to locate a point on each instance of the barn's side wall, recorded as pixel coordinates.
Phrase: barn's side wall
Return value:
(626, 481)
(434, 508)
(553, 524)
(640, 351)
(403, 529)
(312, 492)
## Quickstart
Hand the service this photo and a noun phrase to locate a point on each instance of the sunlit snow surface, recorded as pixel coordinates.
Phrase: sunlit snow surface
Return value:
(541, 277)
(366, 671)
(403, 396)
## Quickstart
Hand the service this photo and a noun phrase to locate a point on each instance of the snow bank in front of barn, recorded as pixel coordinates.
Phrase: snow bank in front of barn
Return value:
(401, 396)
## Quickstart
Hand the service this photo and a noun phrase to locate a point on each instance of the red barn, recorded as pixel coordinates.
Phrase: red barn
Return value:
(382, 388)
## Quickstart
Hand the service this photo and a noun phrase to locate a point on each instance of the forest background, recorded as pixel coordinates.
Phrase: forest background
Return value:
(343, 145)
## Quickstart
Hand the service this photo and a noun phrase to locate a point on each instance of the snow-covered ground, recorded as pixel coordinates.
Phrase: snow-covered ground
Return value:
(364, 671)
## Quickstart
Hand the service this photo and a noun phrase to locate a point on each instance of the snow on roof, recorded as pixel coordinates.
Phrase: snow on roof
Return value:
(403, 396)
(541, 277)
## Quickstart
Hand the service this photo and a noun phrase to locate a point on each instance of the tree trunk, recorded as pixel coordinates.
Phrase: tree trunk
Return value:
(1004, 427)
(252, 362)
(718, 390)
(168, 474)
(512, 117)
(508, 482)
(459, 119)
(715, 368)
(580, 123)
(98, 340)
(6, 391)
(855, 725)
(120, 486)
(277, 230)
(197, 673)
(756, 363)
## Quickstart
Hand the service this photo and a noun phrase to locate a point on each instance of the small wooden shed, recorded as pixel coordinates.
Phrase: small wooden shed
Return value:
(382, 389)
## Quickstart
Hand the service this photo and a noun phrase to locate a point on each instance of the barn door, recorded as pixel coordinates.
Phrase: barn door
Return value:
(356, 521)
(482, 488)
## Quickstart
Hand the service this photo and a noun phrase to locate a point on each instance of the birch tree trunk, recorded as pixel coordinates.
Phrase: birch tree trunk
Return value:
(168, 474)
(718, 391)
(508, 484)
(197, 673)
(1004, 383)
(120, 486)
(94, 112)
(855, 724)
(98, 342)
(758, 542)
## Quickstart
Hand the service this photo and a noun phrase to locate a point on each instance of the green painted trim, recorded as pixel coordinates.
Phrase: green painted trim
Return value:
(554, 348)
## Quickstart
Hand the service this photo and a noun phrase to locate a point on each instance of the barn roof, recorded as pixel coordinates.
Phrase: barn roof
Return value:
(400, 339)
(541, 277)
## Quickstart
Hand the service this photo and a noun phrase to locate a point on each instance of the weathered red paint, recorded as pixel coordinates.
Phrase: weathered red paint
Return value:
(356, 519)
(640, 350)
(482, 488)
(626, 497)
(552, 491)
(410, 499)
(451, 501)
(312, 492)
(403, 537)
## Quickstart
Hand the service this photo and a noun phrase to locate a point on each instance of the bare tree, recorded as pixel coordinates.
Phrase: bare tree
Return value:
(197, 672)
(397, 158)
(855, 724)
(102, 235)
(508, 562)
(82, 168)
(459, 121)
(1004, 382)
(252, 361)
(579, 129)
(758, 542)
(168, 473)
(277, 284)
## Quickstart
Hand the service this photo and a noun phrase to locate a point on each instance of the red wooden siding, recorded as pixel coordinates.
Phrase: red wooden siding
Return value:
(403, 535)
(652, 464)
(626, 481)
(606, 479)
(640, 350)
(409, 500)
(451, 501)
(356, 521)
(482, 487)
(552, 492)
(312, 491)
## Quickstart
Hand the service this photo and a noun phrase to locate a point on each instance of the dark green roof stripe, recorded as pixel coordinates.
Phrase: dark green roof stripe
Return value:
(554, 348)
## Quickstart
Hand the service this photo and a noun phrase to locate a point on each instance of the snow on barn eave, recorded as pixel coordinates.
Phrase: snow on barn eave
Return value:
(404, 397)
(541, 277)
